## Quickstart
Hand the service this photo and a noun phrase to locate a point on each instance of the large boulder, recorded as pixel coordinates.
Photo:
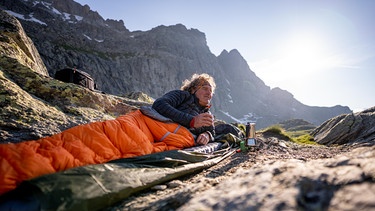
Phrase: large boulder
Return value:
(16, 44)
(347, 128)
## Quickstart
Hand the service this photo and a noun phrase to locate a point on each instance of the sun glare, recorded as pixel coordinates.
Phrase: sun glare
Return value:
(304, 55)
(298, 58)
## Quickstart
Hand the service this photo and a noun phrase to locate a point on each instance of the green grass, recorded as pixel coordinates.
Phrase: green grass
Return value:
(277, 131)
(305, 139)
(297, 136)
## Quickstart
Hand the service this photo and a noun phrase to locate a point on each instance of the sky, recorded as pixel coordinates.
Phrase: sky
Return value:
(321, 51)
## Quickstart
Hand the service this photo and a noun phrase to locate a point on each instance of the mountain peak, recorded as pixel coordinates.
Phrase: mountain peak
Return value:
(68, 34)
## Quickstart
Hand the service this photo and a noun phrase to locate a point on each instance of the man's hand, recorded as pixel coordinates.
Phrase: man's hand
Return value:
(203, 139)
(203, 119)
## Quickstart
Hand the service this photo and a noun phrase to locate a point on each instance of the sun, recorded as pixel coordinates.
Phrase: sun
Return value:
(298, 57)
(304, 54)
(302, 51)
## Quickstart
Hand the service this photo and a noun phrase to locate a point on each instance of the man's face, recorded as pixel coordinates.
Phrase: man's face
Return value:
(204, 94)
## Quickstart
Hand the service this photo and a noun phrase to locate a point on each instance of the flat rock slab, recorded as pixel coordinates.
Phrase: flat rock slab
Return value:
(345, 182)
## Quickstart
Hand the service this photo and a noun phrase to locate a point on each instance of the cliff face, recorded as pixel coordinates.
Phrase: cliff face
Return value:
(32, 104)
(68, 34)
(17, 45)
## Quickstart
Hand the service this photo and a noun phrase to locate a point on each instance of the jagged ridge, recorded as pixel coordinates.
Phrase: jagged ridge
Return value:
(68, 34)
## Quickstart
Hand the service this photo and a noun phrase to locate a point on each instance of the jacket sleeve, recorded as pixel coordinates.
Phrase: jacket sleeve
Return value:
(199, 130)
(167, 104)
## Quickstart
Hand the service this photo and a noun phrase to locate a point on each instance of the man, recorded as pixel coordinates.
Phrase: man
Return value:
(190, 106)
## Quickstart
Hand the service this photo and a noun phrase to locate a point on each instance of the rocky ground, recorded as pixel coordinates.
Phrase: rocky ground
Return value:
(268, 178)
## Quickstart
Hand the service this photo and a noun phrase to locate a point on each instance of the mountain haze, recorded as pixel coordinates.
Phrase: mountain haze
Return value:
(67, 34)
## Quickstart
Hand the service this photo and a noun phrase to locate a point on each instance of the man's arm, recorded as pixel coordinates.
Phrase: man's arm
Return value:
(166, 106)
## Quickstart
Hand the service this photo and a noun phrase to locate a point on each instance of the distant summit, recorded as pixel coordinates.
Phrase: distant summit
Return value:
(69, 35)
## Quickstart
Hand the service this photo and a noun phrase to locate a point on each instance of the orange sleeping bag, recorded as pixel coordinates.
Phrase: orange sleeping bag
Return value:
(129, 135)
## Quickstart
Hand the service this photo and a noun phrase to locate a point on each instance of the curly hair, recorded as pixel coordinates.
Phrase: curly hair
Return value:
(196, 81)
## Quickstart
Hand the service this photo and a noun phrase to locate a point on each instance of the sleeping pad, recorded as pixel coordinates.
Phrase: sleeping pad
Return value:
(129, 135)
